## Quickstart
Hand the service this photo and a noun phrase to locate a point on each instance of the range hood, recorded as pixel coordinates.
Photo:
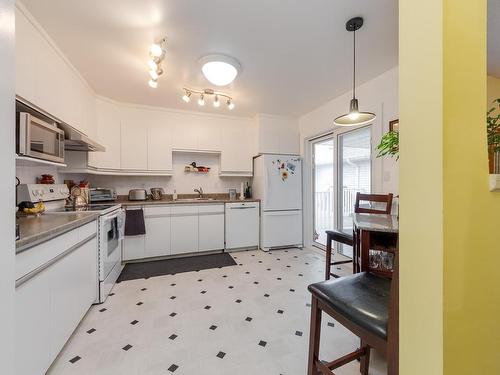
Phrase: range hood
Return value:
(77, 141)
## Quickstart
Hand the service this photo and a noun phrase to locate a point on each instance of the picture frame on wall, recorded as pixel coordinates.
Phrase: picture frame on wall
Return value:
(394, 125)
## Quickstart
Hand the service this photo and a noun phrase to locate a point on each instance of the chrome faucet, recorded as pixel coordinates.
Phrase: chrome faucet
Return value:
(200, 192)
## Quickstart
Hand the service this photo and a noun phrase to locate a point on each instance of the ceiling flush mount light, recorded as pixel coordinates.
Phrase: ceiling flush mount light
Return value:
(156, 55)
(208, 92)
(220, 70)
(354, 117)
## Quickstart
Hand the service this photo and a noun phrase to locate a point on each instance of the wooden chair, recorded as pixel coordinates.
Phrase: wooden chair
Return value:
(348, 238)
(367, 304)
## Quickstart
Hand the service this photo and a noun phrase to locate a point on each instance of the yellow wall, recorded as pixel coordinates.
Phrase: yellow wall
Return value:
(450, 222)
(421, 186)
(471, 212)
(493, 89)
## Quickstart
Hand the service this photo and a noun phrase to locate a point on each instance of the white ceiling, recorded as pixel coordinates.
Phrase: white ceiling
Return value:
(494, 38)
(295, 54)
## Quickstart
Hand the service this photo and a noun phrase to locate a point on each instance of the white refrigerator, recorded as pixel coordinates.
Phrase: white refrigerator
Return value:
(277, 182)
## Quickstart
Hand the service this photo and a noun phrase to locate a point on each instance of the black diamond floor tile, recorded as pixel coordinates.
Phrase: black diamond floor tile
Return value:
(172, 368)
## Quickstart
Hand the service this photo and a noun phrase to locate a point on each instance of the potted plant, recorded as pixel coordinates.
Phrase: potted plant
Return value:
(389, 145)
(493, 131)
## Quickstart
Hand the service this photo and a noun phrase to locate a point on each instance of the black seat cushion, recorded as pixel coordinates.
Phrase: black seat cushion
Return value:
(362, 298)
(342, 237)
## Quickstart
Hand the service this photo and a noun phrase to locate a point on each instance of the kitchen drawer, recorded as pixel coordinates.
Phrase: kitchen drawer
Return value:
(211, 209)
(38, 255)
(157, 211)
(188, 209)
(87, 230)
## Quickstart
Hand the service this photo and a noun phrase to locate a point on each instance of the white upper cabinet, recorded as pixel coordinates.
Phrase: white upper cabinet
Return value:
(109, 135)
(238, 140)
(159, 143)
(134, 140)
(45, 78)
(184, 135)
(278, 134)
(195, 132)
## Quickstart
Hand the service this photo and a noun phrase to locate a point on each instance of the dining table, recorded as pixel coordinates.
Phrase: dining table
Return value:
(373, 232)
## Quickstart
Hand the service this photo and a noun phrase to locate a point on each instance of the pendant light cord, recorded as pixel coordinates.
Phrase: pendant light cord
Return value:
(354, 66)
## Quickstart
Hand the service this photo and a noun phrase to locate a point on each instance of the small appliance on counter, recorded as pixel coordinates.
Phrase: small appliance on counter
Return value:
(137, 195)
(157, 194)
(102, 195)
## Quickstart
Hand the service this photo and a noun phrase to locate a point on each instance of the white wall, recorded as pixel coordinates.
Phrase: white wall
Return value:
(183, 182)
(28, 174)
(7, 218)
(379, 95)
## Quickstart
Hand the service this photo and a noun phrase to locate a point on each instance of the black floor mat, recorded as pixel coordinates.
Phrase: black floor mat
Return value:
(153, 268)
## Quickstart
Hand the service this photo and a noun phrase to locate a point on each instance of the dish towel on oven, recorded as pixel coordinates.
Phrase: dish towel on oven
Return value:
(120, 217)
(134, 222)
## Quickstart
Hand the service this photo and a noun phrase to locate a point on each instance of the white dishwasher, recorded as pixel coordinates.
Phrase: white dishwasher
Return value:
(242, 225)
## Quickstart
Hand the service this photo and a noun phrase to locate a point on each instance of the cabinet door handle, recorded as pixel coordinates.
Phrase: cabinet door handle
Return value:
(54, 260)
(240, 208)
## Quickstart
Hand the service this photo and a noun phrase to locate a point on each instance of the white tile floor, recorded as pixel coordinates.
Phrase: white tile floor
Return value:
(247, 319)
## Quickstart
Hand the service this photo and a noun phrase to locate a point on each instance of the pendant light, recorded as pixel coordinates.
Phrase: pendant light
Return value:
(354, 117)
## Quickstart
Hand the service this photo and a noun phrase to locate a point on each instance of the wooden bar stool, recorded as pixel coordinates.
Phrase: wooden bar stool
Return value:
(367, 304)
(349, 238)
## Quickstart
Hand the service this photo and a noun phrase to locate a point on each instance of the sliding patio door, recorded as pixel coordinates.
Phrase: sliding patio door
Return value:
(341, 167)
(354, 175)
(323, 190)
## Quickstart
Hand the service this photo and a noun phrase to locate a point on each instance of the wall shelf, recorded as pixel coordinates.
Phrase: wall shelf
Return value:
(236, 174)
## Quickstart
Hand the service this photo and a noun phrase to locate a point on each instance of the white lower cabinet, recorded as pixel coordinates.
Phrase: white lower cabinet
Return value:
(184, 229)
(33, 326)
(211, 227)
(157, 239)
(73, 290)
(133, 247)
(52, 298)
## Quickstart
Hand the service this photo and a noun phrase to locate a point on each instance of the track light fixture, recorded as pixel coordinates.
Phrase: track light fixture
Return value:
(156, 55)
(187, 96)
(208, 92)
(201, 101)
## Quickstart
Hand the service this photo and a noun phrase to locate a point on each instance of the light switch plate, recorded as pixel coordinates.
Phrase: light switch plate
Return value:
(494, 182)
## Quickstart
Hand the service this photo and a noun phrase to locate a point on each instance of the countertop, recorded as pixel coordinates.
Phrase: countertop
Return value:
(37, 229)
(377, 222)
(123, 200)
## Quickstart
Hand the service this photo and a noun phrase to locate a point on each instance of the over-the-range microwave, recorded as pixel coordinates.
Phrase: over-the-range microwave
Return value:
(39, 139)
